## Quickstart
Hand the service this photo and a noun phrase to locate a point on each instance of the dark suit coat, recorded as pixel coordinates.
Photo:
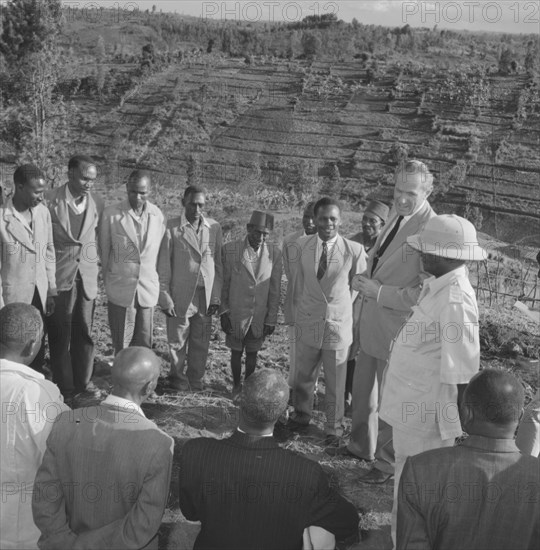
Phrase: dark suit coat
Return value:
(250, 494)
(103, 482)
(400, 272)
(481, 495)
(73, 253)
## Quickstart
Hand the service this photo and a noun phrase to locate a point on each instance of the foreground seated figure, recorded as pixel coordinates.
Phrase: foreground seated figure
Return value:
(482, 494)
(105, 476)
(250, 493)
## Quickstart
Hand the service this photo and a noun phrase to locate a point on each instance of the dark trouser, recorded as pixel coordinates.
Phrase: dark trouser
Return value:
(130, 326)
(39, 359)
(351, 363)
(70, 339)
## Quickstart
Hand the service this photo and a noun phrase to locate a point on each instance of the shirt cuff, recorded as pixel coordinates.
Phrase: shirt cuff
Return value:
(379, 293)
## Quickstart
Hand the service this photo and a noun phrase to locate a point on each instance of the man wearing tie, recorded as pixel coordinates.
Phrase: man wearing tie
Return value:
(389, 289)
(75, 214)
(190, 277)
(130, 236)
(323, 299)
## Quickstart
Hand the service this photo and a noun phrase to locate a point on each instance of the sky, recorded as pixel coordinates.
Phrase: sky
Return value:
(514, 16)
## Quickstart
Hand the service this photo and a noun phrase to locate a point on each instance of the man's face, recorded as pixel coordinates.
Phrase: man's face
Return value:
(82, 179)
(328, 220)
(256, 235)
(137, 192)
(308, 223)
(409, 192)
(194, 206)
(371, 225)
(31, 193)
(434, 265)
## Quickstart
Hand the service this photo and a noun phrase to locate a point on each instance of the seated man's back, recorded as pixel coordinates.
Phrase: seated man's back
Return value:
(249, 493)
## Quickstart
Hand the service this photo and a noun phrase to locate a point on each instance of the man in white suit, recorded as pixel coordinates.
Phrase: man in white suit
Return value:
(389, 289)
(129, 237)
(291, 258)
(252, 271)
(190, 277)
(323, 299)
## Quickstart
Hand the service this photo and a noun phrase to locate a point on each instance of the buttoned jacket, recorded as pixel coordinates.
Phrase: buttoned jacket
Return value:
(183, 264)
(251, 295)
(75, 253)
(324, 308)
(130, 266)
(27, 258)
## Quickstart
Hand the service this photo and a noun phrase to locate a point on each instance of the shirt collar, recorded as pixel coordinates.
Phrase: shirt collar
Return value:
(491, 444)
(10, 206)
(6, 364)
(122, 403)
(435, 284)
(329, 243)
(184, 221)
(131, 211)
(245, 433)
(70, 199)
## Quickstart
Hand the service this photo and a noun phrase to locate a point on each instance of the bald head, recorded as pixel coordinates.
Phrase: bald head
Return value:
(494, 397)
(263, 399)
(135, 372)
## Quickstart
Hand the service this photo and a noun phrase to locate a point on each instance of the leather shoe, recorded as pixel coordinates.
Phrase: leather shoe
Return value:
(375, 477)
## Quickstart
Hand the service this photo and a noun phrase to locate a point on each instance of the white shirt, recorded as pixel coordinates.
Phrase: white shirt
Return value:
(122, 403)
(436, 349)
(29, 406)
(78, 208)
(318, 252)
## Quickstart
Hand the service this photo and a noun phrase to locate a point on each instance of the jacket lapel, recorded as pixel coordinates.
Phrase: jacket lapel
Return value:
(190, 238)
(18, 230)
(264, 263)
(129, 226)
(246, 261)
(61, 210)
(90, 218)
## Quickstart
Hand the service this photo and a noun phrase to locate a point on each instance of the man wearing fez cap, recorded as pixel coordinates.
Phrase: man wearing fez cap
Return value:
(250, 295)
(291, 257)
(437, 351)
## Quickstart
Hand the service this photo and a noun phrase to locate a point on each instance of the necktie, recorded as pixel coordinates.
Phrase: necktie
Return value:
(386, 243)
(323, 262)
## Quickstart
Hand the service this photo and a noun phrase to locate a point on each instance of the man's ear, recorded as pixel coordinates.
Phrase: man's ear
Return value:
(521, 413)
(148, 388)
(31, 348)
(466, 414)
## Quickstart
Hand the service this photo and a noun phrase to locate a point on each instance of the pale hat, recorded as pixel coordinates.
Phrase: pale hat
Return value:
(449, 236)
(262, 220)
(377, 208)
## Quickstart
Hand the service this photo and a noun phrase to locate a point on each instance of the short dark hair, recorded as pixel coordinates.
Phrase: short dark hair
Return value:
(193, 190)
(78, 160)
(25, 173)
(495, 396)
(324, 203)
(19, 323)
(138, 175)
(264, 397)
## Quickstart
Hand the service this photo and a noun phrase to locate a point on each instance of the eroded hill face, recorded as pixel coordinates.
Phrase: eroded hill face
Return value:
(335, 126)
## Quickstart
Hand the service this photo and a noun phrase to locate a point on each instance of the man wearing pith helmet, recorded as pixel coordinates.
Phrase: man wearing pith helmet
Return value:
(437, 351)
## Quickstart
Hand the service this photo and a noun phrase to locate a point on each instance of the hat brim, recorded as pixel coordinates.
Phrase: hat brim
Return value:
(471, 253)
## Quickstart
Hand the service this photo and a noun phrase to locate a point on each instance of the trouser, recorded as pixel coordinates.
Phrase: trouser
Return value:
(308, 362)
(370, 437)
(70, 339)
(409, 444)
(130, 326)
(39, 360)
(291, 333)
(189, 340)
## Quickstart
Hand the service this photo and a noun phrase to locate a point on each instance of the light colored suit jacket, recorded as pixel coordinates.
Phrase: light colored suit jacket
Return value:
(399, 270)
(104, 480)
(128, 267)
(251, 297)
(324, 308)
(74, 254)
(291, 258)
(181, 261)
(26, 261)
